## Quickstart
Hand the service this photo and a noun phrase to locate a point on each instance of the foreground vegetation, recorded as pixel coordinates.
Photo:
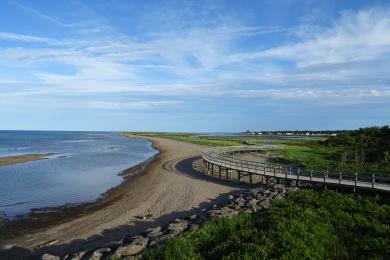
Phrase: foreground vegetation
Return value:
(306, 224)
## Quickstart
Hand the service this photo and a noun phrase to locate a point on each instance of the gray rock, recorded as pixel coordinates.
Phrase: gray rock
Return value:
(154, 232)
(194, 226)
(136, 246)
(78, 256)
(278, 196)
(223, 212)
(178, 226)
(193, 217)
(264, 203)
(100, 253)
(49, 257)
(254, 208)
(160, 239)
(230, 197)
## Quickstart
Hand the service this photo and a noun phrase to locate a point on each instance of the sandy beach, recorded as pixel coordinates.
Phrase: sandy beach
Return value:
(168, 188)
(8, 160)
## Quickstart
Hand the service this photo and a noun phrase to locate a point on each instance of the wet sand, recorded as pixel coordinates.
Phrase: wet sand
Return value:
(8, 160)
(158, 195)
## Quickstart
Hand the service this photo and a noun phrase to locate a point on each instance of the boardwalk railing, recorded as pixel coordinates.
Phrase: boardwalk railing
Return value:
(224, 159)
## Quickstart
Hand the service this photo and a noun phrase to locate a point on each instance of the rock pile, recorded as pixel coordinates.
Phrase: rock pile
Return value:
(132, 247)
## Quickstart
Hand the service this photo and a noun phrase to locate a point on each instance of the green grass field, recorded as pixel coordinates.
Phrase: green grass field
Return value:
(306, 153)
(307, 224)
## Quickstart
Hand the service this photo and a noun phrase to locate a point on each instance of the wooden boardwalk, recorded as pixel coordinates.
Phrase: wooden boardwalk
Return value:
(221, 162)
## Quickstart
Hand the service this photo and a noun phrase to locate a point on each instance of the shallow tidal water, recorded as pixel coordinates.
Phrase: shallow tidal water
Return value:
(86, 165)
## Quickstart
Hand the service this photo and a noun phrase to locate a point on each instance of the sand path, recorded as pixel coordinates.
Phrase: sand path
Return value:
(162, 192)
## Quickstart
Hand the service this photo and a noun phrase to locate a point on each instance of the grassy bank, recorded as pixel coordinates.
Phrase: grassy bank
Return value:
(306, 153)
(196, 139)
(306, 224)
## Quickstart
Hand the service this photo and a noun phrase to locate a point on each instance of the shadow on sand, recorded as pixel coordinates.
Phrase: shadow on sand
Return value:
(178, 166)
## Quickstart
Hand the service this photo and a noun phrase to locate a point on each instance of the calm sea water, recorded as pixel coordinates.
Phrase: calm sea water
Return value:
(87, 165)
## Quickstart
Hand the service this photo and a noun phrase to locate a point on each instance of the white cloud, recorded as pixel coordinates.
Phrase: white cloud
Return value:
(138, 104)
(349, 60)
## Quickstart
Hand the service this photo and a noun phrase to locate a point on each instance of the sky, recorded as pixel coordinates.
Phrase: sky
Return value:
(194, 66)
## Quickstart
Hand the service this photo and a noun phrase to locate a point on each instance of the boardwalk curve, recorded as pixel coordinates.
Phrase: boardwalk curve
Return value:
(220, 162)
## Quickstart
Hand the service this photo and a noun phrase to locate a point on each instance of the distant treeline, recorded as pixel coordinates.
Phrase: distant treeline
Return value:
(370, 144)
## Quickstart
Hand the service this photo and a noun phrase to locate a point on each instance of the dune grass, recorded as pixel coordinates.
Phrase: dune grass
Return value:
(307, 224)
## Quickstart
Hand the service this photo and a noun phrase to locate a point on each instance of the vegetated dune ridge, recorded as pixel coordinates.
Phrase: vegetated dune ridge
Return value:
(8, 160)
(159, 193)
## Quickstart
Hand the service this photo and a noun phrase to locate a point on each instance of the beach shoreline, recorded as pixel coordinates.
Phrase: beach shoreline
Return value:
(41, 218)
(153, 197)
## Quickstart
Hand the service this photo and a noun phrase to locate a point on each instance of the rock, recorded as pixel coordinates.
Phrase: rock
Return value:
(278, 196)
(194, 226)
(255, 208)
(193, 217)
(78, 256)
(223, 212)
(100, 253)
(230, 197)
(113, 245)
(154, 232)
(136, 246)
(49, 257)
(160, 239)
(264, 203)
(178, 226)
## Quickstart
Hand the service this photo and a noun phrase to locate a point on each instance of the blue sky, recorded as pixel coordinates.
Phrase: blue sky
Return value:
(194, 65)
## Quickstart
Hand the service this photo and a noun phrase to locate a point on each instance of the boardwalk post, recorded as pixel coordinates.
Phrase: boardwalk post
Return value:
(227, 174)
(340, 177)
(356, 177)
(274, 170)
(239, 176)
(311, 174)
(285, 176)
(373, 181)
(219, 171)
(250, 178)
(212, 169)
(325, 179)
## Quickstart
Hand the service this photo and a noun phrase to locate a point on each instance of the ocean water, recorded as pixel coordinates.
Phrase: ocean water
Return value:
(87, 165)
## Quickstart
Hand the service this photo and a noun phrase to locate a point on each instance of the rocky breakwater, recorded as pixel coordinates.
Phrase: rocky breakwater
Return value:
(132, 247)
